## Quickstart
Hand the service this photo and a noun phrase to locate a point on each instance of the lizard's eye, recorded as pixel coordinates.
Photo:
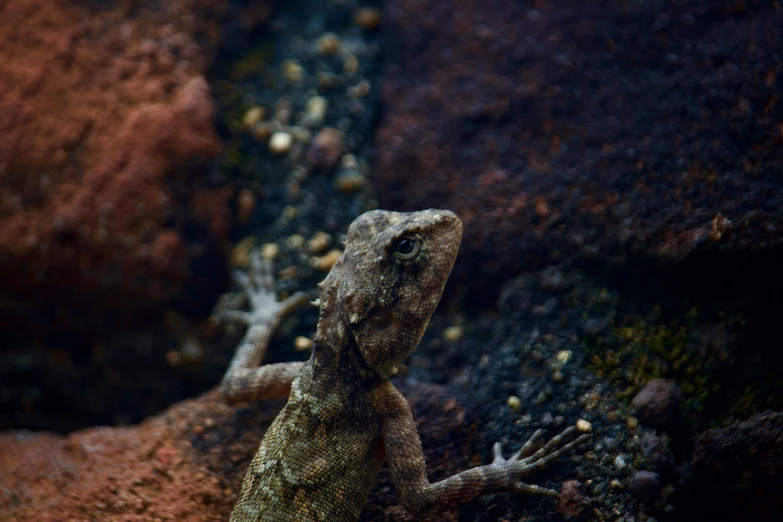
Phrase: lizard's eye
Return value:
(406, 248)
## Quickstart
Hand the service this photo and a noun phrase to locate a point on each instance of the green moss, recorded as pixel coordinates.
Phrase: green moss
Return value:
(636, 352)
(759, 396)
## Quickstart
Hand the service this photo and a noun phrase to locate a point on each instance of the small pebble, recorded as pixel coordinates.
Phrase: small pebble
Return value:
(360, 90)
(557, 376)
(295, 241)
(351, 65)
(326, 149)
(283, 109)
(315, 111)
(303, 343)
(252, 117)
(319, 242)
(514, 403)
(246, 203)
(619, 462)
(240, 254)
(616, 484)
(329, 43)
(584, 426)
(289, 272)
(367, 18)
(326, 80)
(280, 142)
(645, 485)
(658, 403)
(289, 213)
(349, 181)
(301, 134)
(326, 261)
(632, 423)
(262, 131)
(563, 356)
(269, 250)
(349, 162)
(173, 358)
(452, 334)
(292, 71)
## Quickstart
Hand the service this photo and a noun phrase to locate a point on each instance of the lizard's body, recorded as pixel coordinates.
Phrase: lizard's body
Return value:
(321, 455)
(303, 467)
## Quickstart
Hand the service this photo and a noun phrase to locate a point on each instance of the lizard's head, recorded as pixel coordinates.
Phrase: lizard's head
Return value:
(388, 281)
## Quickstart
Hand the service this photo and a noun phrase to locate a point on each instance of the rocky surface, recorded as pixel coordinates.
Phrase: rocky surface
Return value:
(557, 128)
(738, 471)
(107, 129)
(188, 462)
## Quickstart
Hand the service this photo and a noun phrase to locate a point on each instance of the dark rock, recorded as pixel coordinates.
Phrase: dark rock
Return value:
(654, 449)
(646, 486)
(106, 129)
(737, 472)
(658, 403)
(583, 127)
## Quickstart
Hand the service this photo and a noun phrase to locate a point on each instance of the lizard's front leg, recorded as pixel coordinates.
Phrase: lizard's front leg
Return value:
(245, 380)
(420, 497)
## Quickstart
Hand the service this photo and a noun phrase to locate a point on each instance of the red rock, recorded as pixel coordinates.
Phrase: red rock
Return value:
(326, 149)
(105, 126)
(166, 469)
(570, 502)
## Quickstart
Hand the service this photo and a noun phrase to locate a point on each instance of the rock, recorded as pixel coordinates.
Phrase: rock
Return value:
(646, 486)
(654, 449)
(658, 403)
(105, 129)
(367, 18)
(550, 140)
(737, 472)
(326, 149)
(188, 462)
(280, 142)
(570, 501)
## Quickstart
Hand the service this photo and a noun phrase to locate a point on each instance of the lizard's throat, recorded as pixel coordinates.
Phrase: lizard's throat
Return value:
(343, 359)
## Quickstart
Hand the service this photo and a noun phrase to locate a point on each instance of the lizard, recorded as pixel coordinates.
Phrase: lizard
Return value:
(320, 457)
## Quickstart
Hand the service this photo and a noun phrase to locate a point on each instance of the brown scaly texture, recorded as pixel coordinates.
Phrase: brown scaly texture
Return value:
(320, 457)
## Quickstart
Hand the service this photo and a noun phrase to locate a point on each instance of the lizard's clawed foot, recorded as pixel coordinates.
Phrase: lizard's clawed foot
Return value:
(259, 285)
(525, 462)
